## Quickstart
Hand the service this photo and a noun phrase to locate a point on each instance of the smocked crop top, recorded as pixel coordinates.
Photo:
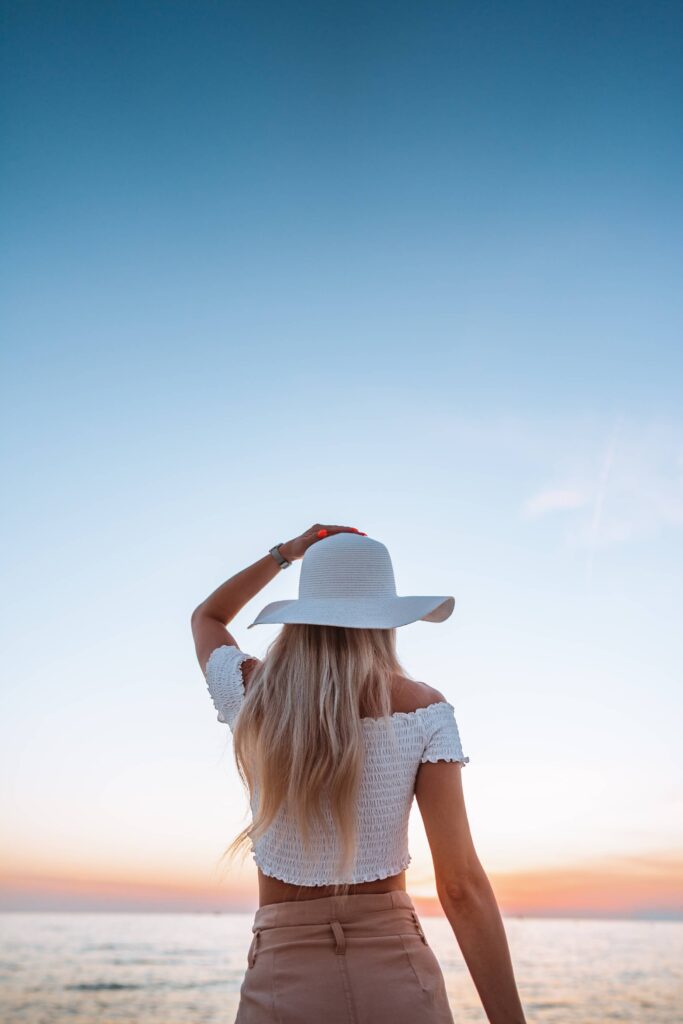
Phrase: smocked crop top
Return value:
(386, 792)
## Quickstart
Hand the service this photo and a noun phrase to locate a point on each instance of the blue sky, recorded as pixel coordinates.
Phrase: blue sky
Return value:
(413, 268)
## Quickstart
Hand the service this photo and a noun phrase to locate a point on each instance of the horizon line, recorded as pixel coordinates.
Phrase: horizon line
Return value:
(675, 917)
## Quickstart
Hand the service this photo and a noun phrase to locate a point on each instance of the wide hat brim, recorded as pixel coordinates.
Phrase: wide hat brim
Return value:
(356, 612)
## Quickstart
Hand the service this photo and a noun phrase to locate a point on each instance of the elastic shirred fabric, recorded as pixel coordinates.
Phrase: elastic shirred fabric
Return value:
(357, 959)
(385, 795)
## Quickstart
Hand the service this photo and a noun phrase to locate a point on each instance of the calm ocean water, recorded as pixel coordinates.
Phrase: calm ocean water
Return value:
(187, 969)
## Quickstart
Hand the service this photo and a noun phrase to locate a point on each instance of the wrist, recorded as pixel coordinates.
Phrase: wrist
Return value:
(286, 551)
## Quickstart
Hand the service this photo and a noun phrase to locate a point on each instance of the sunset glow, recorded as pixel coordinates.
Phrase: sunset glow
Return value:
(421, 278)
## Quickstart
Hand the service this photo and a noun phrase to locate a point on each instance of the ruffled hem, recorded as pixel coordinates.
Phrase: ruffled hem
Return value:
(411, 714)
(433, 758)
(272, 872)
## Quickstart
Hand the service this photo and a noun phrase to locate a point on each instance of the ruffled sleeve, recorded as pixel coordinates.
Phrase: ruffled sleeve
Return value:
(442, 739)
(224, 681)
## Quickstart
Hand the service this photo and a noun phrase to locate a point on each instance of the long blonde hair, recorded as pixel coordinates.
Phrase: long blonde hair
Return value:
(299, 736)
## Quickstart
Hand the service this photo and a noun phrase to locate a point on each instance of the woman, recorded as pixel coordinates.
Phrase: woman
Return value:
(332, 739)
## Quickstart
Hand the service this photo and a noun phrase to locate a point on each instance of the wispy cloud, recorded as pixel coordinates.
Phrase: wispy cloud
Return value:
(628, 486)
(554, 500)
(606, 469)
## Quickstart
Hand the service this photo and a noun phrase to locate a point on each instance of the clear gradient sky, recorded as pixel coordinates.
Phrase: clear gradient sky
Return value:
(413, 268)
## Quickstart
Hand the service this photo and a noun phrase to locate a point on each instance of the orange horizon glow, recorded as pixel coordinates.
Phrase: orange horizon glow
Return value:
(647, 886)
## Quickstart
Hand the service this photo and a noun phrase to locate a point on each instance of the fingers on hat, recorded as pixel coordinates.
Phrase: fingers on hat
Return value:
(326, 531)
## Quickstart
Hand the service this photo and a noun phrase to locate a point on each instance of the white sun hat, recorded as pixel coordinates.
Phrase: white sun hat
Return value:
(347, 579)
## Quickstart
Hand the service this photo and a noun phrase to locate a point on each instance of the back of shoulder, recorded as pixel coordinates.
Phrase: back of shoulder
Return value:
(412, 695)
(434, 696)
(436, 715)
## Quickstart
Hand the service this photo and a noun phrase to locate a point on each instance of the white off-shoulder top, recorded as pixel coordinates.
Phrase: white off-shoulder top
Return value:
(386, 792)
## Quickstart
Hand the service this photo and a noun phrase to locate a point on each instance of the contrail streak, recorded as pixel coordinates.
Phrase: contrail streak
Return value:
(607, 463)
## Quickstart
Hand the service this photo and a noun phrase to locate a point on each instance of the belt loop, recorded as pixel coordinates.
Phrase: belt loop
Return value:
(419, 927)
(339, 936)
(252, 949)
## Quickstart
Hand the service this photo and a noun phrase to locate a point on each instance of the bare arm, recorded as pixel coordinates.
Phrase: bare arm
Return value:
(465, 892)
(210, 618)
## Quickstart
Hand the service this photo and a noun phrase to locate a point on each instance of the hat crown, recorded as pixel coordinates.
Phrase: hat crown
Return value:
(347, 565)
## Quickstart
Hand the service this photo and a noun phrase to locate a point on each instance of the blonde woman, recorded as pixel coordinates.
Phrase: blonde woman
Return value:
(332, 740)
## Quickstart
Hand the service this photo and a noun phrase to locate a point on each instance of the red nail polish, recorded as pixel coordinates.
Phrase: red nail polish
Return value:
(322, 533)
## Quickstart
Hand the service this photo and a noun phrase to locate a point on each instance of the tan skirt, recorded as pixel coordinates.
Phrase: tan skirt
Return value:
(358, 959)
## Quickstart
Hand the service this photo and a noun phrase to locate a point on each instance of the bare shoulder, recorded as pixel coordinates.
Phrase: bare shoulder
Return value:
(409, 695)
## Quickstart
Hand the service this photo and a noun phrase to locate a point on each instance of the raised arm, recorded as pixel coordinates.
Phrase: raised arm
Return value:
(210, 618)
(465, 892)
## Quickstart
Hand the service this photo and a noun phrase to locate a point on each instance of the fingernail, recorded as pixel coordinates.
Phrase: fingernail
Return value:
(322, 533)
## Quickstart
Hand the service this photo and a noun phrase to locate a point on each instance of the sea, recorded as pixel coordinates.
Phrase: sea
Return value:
(187, 968)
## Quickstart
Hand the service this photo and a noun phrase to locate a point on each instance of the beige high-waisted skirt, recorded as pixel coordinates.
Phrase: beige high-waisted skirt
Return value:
(357, 959)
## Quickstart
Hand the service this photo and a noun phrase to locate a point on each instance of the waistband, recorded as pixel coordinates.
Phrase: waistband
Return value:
(333, 918)
(328, 908)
